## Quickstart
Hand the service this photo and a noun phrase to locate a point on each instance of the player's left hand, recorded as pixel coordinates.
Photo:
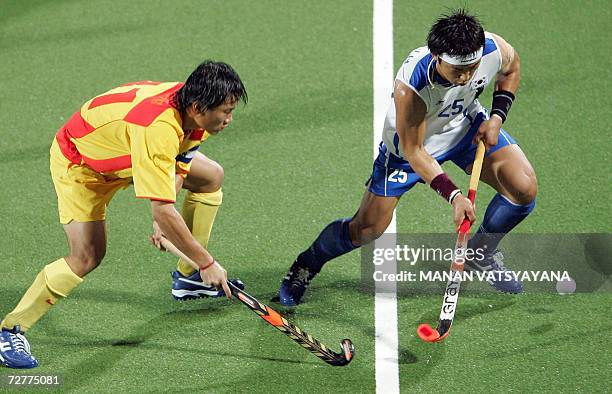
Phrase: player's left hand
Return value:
(488, 132)
(157, 236)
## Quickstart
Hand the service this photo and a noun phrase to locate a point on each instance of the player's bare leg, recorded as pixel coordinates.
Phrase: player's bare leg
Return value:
(87, 242)
(372, 219)
(339, 237)
(202, 201)
(205, 176)
(509, 172)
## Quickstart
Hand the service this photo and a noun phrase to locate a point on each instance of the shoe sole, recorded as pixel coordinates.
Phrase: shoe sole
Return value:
(193, 294)
(4, 363)
(277, 299)
(504, 291)
(184, 295)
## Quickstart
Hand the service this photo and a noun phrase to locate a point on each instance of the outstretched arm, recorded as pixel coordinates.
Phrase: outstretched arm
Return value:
(174, 228)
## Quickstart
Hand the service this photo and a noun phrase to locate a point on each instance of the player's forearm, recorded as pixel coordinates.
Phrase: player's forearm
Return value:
(174, 228)
(506, 86)
(179, 180)
(430, 171)
(422, 163)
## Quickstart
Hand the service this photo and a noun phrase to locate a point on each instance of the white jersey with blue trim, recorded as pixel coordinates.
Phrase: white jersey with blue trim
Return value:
(450, 108)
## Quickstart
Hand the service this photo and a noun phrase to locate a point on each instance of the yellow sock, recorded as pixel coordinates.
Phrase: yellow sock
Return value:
(55, 281)
(199, 212)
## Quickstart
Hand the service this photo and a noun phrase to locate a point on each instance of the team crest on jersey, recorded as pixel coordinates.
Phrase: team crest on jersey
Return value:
(479, 83)
(160, 100)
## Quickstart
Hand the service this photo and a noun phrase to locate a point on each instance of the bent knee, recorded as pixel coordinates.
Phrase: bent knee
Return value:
(217, 176)
(210, 183)
(363, 233)
(526, 188)
(85, 260)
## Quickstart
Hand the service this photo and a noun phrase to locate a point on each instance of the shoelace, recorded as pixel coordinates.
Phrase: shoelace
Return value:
(498, 260)
(20, 343)
(301, 277)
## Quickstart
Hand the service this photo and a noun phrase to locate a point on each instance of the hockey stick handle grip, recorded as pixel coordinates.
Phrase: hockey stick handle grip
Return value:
(477, 168)
(474, 178)
(170, 247)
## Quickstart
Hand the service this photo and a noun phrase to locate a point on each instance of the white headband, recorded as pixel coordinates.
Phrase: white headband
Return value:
(462, 60)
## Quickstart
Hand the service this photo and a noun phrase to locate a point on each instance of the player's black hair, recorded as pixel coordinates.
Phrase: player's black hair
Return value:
(210, 85)
(457, 34)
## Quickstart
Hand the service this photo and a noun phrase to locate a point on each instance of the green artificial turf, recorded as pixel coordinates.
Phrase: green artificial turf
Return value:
(295, 159)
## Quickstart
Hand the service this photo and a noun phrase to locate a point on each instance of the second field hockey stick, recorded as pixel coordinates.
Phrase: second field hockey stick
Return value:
(451, 293)
(277, 320)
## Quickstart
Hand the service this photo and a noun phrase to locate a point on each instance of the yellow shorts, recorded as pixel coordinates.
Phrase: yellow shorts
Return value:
(82, 193)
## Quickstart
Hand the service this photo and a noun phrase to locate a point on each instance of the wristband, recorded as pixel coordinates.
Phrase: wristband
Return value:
(453, 195)
(445, 187)
(502, 101)
(203, 267)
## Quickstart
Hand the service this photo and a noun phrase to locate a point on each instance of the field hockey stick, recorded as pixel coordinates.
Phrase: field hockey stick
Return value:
(277, 320)
(451, 293)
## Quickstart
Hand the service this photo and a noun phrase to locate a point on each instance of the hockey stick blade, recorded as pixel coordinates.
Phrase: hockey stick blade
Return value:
(294, 332)
(429, 334)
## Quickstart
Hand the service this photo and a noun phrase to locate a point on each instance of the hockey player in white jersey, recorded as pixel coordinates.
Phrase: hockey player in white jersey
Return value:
(435, 116)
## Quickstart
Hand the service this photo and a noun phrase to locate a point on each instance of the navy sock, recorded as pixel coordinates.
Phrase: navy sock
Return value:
(333, 241)
(501, 217)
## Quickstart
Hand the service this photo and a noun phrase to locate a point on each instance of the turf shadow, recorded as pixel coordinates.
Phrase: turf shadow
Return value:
(406, 356)
(52, 323)
(114, 350)
(540, 310)
(301, 367)
(541, 329)
(143, 344)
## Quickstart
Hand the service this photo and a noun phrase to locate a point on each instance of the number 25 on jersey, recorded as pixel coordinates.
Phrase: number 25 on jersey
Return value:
(452, 109)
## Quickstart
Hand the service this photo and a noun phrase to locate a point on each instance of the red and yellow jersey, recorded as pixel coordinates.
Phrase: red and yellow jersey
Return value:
(133, 131)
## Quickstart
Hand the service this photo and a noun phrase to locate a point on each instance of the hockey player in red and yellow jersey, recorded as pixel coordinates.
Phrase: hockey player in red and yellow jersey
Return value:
(145, 133)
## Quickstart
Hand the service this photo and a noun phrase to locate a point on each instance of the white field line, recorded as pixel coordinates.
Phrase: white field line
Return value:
(385, 300)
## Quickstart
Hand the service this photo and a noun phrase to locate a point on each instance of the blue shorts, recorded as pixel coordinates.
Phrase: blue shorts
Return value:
(392, 176)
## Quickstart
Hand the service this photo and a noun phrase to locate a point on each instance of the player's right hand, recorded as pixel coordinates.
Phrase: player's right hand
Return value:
(157, 236)
(216, 275)
(462, 208)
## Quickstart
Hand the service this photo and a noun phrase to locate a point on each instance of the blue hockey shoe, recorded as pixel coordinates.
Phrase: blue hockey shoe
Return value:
(15, 349)
(192, 287)
(294, 284)
(502, 278)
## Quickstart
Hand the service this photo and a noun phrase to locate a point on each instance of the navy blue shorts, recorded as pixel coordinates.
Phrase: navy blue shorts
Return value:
(393, 176)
